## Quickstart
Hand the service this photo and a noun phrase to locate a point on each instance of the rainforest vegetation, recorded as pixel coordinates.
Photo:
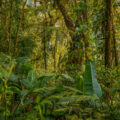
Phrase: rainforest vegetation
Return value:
(59, 59)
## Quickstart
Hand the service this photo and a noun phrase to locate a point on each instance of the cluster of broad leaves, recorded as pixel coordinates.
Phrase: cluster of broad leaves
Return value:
(25, 95)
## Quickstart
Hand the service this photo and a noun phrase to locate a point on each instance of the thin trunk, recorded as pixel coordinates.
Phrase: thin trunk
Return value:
(109, 33)
(1, 9)
(10, 26)
(6, 23)
(47, 36)
(45, 53)
(44, 44)
(55, 50)
(87, 40)
(115, 51)
(59, 60)
(18, 27)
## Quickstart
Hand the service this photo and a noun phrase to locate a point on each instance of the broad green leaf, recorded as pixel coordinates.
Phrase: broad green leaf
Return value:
(91, 84)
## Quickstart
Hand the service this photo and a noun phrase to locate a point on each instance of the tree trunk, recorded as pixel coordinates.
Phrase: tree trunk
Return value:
(87, 40)
(108, 33)
(45, 53)
(18, 27)
(6, 24)
(115, 51)
(10, 26)
(44, 44)
(76, 50)
(68, 21)
(55, 50)
(74, 55)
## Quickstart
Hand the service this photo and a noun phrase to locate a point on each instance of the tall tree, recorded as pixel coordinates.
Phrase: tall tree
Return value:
(18, 28)
(108, 32)
(6, 23)
(10, 26)
(45, 43)
(72, 58)
(115, 50)
(76, 49)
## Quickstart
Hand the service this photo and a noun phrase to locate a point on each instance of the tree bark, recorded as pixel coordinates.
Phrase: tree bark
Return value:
(18, 27)
(55, 50)
(68, 21)
(108, 33)
(10, 26)
(44, 44)
(74, 50)
(6, 23)
(115, 51)
(45, 53)
(87, 40)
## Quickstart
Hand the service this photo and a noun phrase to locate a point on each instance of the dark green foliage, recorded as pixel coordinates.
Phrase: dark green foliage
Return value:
(52, 63)
(91, 85)
(36, 94)
(49, 96)
(26, 46)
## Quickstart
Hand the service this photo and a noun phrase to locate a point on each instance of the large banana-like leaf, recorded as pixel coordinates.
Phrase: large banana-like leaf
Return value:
(91, 84)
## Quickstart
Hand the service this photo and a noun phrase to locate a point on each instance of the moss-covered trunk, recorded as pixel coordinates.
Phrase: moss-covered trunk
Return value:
(108, 33)
(87, 38)
(75, 57)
